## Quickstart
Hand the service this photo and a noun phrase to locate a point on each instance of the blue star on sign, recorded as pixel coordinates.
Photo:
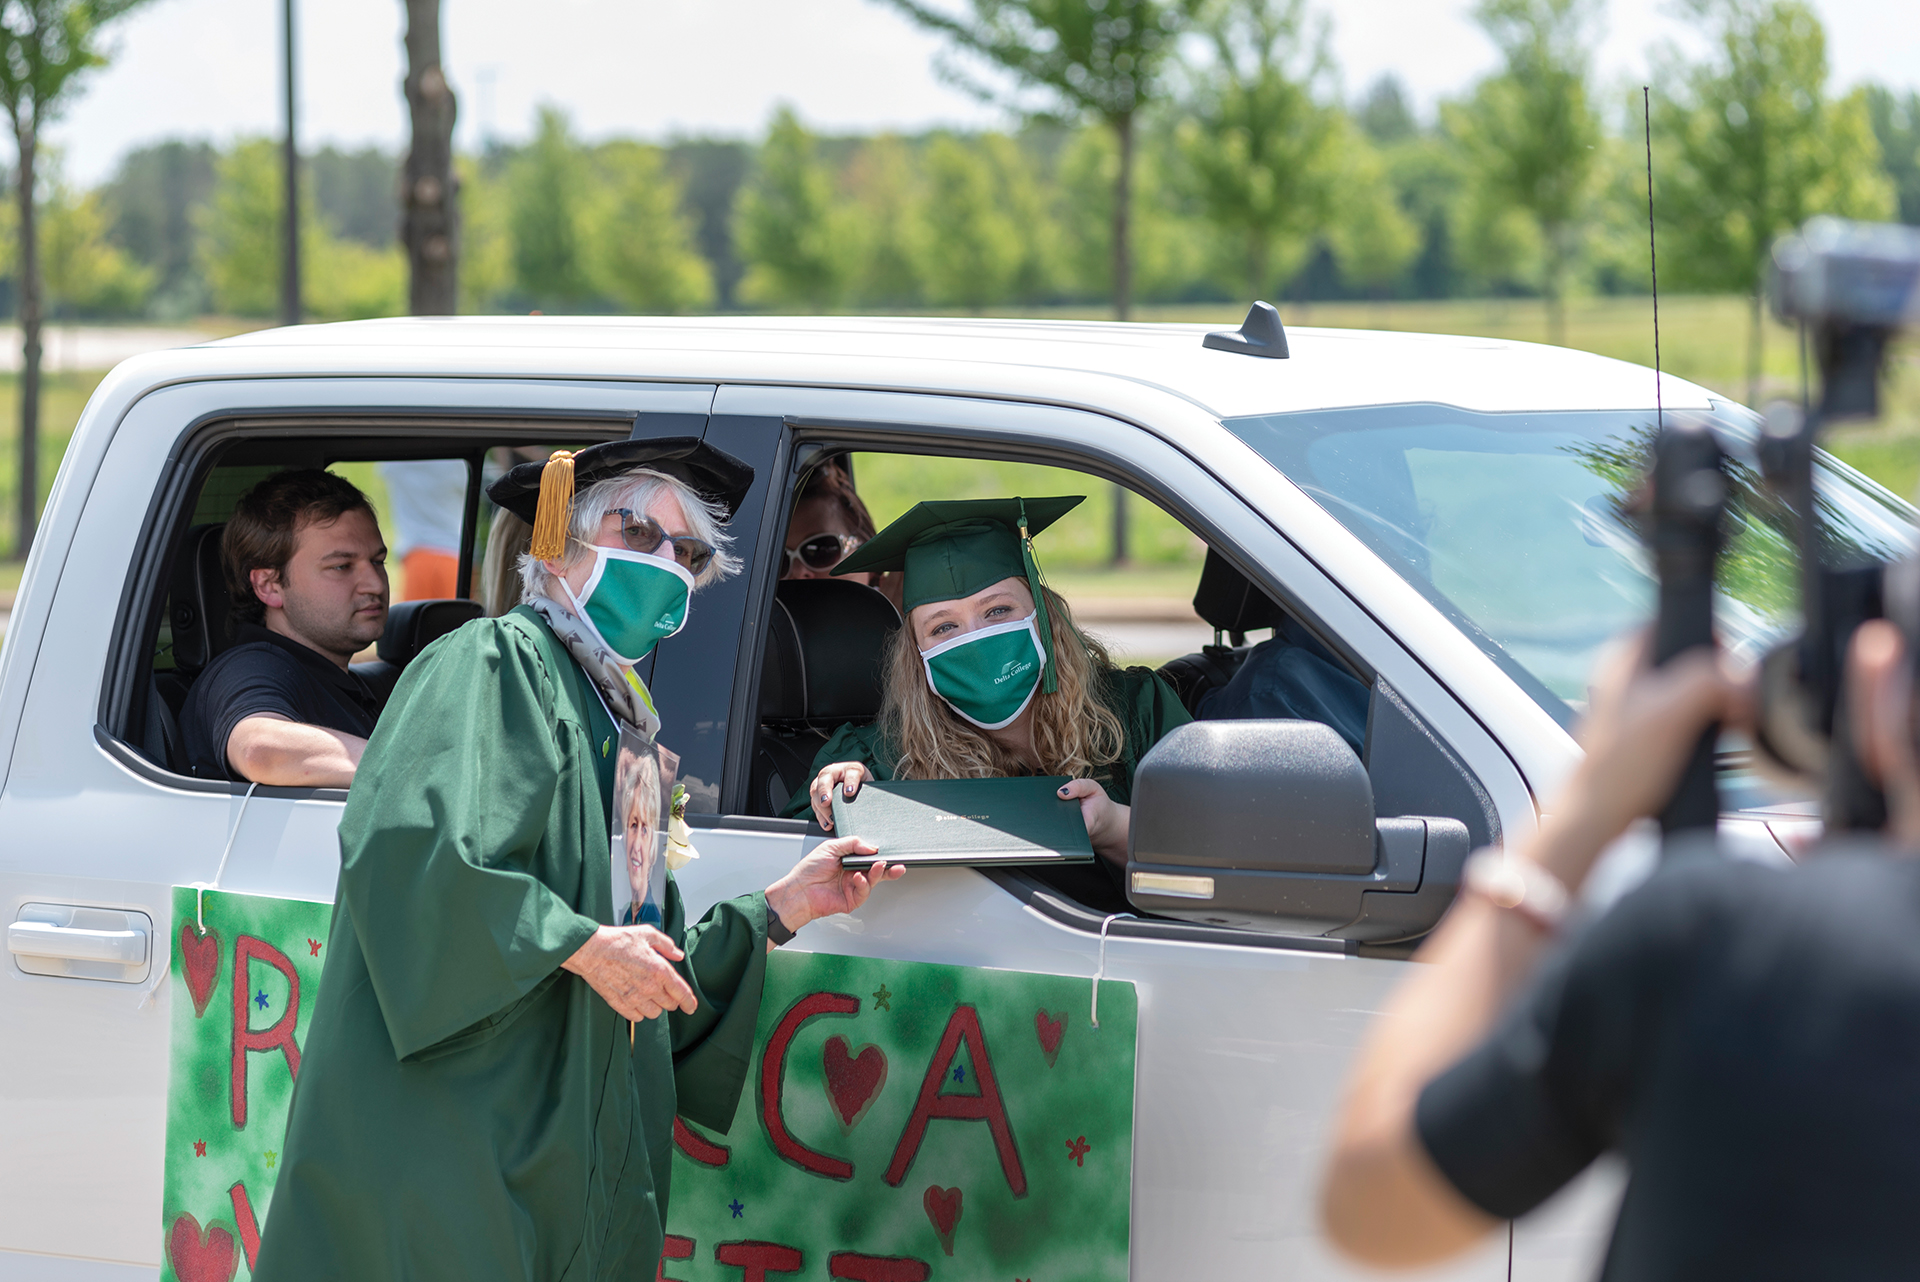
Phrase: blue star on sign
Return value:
(959, 1073)
(260, 999)
(735, 1207)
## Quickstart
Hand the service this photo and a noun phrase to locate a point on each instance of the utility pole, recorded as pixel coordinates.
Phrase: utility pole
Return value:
(290, 258)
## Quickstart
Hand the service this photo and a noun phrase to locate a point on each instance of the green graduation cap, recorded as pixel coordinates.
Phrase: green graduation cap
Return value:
(952, 548)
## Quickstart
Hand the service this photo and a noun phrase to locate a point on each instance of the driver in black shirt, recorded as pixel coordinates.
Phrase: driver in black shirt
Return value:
(306, 570)
(1746, 1037)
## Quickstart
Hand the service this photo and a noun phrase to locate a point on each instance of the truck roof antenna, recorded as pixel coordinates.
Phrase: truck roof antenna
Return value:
(1653, 260)
(1261, 334)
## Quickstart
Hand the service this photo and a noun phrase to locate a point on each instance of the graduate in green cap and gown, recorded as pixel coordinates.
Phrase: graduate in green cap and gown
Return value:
(489, 1084)
(990, 677)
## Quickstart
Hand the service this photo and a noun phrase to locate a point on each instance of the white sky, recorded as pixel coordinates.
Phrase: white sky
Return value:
(656, 68)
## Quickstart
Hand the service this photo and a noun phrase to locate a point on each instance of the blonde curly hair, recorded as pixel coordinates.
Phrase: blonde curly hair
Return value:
(1074, 732)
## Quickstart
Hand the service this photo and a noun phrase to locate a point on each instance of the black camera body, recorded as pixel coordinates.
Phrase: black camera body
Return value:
(1850, 287)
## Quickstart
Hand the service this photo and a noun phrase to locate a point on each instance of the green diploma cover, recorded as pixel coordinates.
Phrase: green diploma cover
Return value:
(964, 821)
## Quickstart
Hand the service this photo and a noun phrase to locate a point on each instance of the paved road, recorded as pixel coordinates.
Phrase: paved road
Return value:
(92, 347)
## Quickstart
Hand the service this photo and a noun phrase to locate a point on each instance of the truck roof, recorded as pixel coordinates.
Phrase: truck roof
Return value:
(1065, 361)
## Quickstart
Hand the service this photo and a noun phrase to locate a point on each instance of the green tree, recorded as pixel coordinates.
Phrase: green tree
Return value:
(546, 186)
(1530, 137)
(1372, 237)
(241, 226)
(641, 246)
(1169, 250)
(86, 273)
(1896, 124)
(789, 226)
(1100, 58)
(973, 245)
(486, 236)
(1756, 148)
(240, 231)
(45, 45)
(1029, 201)
(1262, 155)
(884, 183)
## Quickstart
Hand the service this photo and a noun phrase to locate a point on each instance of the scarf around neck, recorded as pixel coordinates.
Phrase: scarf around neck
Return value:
(626, 696)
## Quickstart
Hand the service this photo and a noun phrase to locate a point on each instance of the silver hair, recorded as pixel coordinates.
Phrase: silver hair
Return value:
(635, 490)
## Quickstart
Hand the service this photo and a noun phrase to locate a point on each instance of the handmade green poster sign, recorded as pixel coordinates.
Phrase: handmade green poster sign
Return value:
(906, 1122)
(244, 975)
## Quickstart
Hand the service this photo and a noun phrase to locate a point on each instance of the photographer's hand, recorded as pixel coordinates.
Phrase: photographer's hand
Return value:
(1383, 1199)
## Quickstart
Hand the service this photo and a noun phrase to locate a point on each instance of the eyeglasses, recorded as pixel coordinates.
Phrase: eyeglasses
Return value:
(641, 533)
(822, 551)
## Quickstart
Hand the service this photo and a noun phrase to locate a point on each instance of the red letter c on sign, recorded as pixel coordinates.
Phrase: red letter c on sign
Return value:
(773, 1075)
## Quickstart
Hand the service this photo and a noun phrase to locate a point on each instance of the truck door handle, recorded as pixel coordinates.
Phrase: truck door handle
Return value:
(43, 939)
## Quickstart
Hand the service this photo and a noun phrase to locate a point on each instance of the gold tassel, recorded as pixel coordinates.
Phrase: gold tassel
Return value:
(555, 511)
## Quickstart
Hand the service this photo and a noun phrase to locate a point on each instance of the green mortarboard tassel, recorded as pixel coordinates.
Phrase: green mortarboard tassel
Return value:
(1042, 621)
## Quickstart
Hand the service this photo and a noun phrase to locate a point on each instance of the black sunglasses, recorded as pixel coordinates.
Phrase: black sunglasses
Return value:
(641, 533)
(822, 551)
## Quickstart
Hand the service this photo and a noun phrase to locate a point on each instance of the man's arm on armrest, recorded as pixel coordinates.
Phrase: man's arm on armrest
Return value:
(270, 749)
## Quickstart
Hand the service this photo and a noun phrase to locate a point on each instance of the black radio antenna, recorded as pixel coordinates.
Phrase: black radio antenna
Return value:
(1653, 258)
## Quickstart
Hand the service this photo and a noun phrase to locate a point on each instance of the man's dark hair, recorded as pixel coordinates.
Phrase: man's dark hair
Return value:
(261, 532)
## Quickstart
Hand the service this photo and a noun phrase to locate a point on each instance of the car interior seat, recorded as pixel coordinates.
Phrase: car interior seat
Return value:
(826, 644)
(1233, 606)
(411, 627)
(197, 612)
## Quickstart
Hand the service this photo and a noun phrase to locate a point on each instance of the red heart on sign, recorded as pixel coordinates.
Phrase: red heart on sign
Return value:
(201, 956)
(198, 1257)
(1051, 1031)
(943, 1208)
(853, 1081)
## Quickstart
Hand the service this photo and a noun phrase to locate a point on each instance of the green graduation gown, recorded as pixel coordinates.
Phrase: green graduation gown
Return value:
(1146, 705)
(466, 1109)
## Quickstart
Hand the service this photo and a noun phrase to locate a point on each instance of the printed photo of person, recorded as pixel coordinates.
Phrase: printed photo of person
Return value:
(642, 782)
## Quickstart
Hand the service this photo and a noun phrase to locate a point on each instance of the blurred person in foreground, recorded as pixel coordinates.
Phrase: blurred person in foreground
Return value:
(1747, 1037)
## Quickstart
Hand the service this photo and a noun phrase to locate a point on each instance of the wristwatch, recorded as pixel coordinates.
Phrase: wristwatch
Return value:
(777, 932)
(1520, 885)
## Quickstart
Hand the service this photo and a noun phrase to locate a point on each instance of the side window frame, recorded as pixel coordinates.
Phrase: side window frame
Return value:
(1110, 448)
(200, 448)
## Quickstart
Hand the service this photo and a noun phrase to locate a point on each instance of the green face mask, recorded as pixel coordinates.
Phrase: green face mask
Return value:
(632, 601)
(988, 676)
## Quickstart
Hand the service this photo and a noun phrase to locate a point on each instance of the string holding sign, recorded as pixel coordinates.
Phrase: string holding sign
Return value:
(200, 889)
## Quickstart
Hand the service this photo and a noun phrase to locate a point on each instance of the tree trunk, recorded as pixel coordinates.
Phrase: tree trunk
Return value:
(1123, 221)
(1755, 339)
(1258, 261)
(1119, 524)
(429, 209)
(26, 130)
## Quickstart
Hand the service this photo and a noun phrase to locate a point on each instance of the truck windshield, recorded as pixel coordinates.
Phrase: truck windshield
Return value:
(1513, 525)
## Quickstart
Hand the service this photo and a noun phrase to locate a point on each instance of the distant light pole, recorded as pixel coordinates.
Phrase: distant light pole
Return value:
(290, 260)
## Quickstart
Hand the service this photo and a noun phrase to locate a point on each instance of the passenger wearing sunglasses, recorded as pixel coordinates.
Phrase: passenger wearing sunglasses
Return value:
(829, 521)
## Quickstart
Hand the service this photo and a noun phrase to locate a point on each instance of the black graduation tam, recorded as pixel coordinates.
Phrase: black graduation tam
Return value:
(952, 548)
(711, 473)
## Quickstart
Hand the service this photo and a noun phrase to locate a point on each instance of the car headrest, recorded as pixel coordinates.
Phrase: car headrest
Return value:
(414, 625)
(198, 601)
(826, 645)
(1227, 601)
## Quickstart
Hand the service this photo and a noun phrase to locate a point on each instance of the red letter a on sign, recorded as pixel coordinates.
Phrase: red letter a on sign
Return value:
(986, 1106)
(278, 1036)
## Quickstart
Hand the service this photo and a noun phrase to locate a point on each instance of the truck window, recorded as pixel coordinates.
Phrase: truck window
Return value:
(452, 556)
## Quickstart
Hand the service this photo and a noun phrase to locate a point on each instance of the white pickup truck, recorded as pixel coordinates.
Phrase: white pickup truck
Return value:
(1436, 512)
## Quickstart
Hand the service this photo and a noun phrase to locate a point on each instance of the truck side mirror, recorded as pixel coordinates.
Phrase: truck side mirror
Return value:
(1269, 825)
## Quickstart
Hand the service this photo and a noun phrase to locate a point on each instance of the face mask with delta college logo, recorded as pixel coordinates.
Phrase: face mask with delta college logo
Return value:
(632, 601)
(988, 676)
